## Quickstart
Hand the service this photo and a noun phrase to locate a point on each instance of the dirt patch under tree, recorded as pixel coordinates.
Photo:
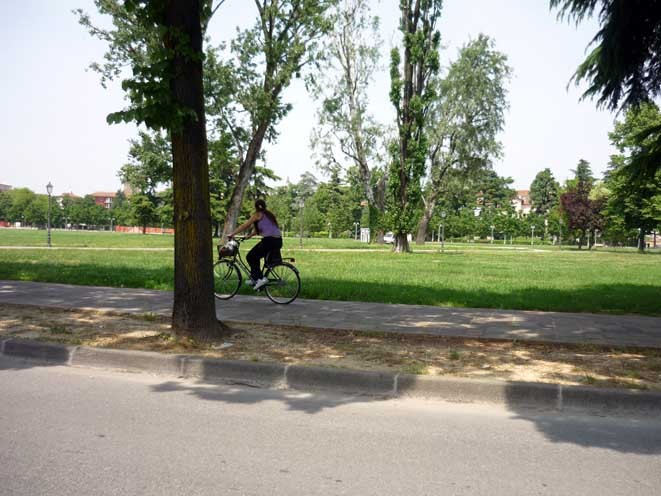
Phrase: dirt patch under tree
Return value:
(510, 361)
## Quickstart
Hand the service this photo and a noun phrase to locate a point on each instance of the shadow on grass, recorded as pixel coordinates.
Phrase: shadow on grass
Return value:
(621, 298)
(89, 274)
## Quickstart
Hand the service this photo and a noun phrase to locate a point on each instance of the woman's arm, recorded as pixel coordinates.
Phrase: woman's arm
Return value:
(254, 218)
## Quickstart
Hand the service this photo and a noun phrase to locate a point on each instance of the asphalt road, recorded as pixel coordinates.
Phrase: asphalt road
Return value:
(66, 431)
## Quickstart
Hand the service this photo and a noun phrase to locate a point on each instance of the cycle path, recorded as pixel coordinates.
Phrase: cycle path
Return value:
(547, 327)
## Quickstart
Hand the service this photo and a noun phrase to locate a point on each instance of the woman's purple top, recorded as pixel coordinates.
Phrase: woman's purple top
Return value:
(267, 227)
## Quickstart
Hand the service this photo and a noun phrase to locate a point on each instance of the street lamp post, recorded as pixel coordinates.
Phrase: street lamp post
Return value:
(301, 205)
(532, 235)
(112, 219)
(49, 188)
(560, 233)
(355, 230)
(443, 214)
(492, 227)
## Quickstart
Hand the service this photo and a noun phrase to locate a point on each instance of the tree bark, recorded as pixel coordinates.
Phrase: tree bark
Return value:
(421, 236)
(641, 241)
(194, 311)
(401, 244)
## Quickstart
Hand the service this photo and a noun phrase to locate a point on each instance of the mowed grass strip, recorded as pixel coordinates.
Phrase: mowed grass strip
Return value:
(567, 281)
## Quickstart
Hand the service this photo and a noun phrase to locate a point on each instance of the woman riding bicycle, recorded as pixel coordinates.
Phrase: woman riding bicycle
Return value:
(265, 224)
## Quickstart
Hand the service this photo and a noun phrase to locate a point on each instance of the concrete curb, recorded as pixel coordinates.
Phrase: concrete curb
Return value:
(256, 374)
(294, 377)
(134, 361)
(341, 380)
(40, 352)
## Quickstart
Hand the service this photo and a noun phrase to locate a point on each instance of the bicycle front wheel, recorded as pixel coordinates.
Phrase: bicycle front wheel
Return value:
(226, 279)
(284, 283)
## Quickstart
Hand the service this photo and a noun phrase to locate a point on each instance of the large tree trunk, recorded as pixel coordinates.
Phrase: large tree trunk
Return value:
(245, 173)
(641, 241)
(380, 204)
(423, 226)
(194, 310)
(401, 244)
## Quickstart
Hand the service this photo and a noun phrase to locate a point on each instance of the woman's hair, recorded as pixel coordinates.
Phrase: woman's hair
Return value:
(260, 206)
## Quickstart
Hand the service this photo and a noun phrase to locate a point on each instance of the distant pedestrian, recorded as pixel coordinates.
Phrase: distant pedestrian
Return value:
(265, 224)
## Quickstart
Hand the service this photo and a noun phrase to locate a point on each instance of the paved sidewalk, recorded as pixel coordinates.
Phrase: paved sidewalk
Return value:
(551, 327)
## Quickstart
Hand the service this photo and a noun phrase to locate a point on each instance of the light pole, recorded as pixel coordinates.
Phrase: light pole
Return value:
(560, 233)
(443, 214)
(301, 205)
(492, 227)
(49, 188)
(532, 235)
(112, 219)
(355, 230)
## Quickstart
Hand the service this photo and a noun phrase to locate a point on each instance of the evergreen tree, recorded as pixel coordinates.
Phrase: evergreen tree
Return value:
(544, 192)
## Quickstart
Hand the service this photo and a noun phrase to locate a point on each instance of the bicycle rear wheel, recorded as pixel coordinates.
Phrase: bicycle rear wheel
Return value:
(284, 283)
(226, 279)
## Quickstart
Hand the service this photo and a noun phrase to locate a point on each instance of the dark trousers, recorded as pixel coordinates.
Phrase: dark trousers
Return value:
(267, 247)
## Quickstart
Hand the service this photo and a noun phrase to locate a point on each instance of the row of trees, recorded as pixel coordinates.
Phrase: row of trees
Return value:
(23, 206)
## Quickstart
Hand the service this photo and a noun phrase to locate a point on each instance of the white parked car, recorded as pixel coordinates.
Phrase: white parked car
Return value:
(389, 238)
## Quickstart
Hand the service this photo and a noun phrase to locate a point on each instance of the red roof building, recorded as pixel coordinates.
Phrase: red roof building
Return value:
(104, 199)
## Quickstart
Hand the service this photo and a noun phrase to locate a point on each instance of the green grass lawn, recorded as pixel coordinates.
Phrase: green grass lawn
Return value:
(463, 276)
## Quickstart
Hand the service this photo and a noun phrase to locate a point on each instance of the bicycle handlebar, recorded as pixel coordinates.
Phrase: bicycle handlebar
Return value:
(238, 238)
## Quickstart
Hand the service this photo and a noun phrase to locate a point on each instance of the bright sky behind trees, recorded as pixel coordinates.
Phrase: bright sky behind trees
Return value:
(53, 124)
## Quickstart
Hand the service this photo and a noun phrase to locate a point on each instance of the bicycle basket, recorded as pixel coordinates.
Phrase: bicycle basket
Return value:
(229, 249)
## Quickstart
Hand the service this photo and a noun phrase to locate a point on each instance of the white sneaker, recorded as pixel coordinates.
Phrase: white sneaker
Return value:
(261, 282)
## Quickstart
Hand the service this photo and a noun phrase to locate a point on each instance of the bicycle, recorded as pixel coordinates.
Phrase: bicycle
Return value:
(284, 280)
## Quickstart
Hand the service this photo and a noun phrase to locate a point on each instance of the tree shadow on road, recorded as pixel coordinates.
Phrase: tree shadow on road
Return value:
(306, 402)
(639, 435)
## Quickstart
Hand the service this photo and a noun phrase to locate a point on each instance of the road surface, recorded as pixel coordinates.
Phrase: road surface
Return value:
(67, 431)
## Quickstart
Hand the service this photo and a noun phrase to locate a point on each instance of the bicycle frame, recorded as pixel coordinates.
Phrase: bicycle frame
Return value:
(237, 259)
(283, 281)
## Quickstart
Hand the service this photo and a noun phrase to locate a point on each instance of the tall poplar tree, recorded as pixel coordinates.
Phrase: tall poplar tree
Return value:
(411, 72)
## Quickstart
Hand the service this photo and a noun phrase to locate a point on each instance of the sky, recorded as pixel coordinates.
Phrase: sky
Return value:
(53, 126)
